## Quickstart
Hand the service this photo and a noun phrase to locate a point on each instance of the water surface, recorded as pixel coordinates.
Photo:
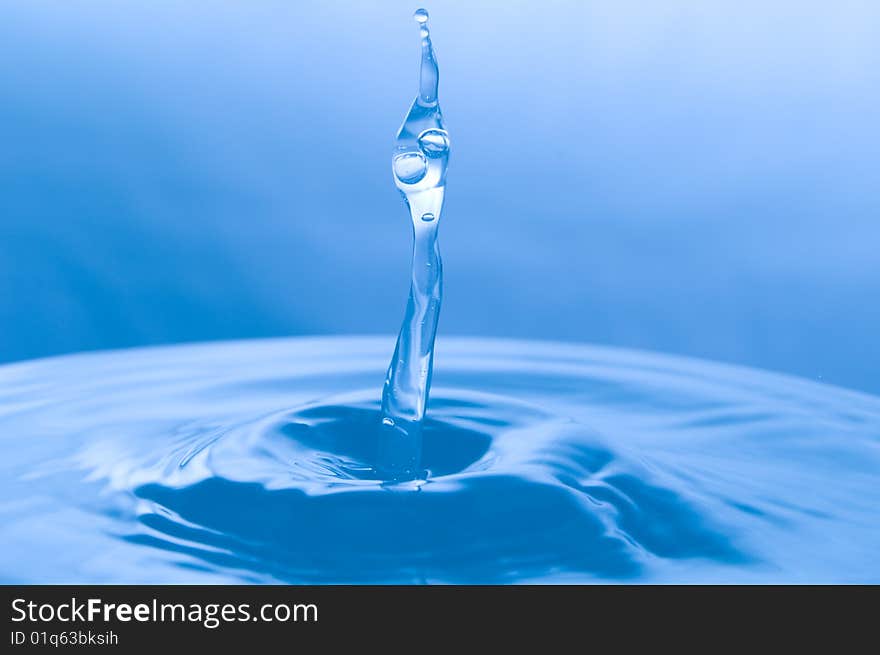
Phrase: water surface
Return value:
(253, 462)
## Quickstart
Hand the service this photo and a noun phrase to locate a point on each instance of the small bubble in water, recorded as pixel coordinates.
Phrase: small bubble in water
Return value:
(387, 421)
(421, 16)
(410, 167)
(434, 142)
(428, 217)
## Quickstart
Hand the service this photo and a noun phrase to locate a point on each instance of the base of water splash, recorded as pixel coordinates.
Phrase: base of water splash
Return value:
(261, 462)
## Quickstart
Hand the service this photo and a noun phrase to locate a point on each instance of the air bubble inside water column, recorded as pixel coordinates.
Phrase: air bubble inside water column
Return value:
(410, 167)
(434, 143)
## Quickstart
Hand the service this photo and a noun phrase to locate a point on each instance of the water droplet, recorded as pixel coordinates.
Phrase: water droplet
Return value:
(428, 217)
(421, 16)
(434, 142)
(410, 167)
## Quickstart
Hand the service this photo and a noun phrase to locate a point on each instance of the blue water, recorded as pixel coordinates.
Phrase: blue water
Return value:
(254, 461)
(689, 179)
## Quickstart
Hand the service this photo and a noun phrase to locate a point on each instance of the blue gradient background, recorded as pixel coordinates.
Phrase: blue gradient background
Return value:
(690, 177)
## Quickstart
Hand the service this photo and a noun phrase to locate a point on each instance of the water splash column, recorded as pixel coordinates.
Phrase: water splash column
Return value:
(419, 161)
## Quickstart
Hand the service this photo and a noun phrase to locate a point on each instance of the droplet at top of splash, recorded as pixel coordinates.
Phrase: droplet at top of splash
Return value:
(429, 75)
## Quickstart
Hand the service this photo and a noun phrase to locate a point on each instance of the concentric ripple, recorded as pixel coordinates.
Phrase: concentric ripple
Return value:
(255, 462)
